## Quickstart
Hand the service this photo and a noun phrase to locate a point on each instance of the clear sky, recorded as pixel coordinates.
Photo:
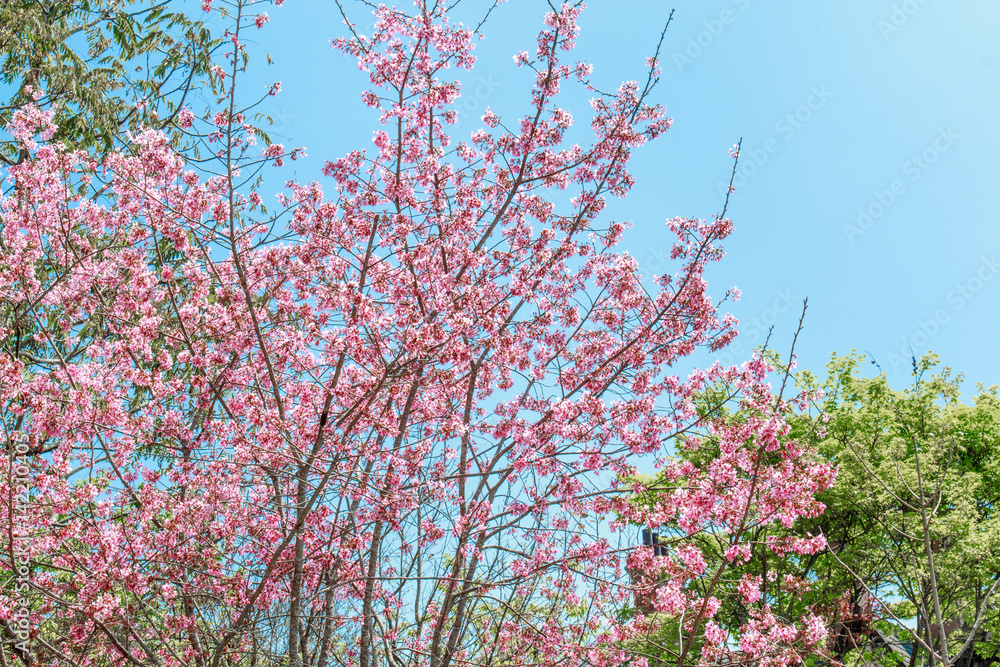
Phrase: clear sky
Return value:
(868, 176)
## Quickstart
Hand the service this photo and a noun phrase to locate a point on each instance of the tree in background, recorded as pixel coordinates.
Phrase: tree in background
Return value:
(913, 535)
(104, 66)
(370, 431)
(752, 569)
(915, 506)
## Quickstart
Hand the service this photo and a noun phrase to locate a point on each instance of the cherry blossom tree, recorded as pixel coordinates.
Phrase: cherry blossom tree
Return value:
(376, 426)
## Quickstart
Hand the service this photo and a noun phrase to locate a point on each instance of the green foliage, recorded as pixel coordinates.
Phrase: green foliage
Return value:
(912, 512)
(95, 60)
(919, 471)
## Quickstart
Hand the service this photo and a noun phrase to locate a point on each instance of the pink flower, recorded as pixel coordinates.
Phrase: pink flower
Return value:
(276, 151)
(489, 118)
(185, 117)
(816, 631)
(738, 552)
(714, 634)
(749, 588)
(692, 558)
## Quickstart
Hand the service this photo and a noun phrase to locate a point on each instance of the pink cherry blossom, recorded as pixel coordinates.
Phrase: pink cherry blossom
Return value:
(400, 414)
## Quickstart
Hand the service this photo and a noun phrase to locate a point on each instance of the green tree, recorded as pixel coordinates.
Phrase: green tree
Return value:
(104, 66)
(913, 536)
(911, 520)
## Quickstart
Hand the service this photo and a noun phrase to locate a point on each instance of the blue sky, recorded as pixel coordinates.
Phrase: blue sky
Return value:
(869, 167)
